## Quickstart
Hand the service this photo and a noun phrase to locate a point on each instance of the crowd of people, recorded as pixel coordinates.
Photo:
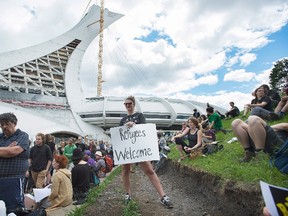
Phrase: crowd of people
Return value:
(70, 170)
(73, 166)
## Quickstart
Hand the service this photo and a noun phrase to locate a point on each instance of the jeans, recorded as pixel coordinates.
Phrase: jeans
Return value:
(261, 112)
(12, 193)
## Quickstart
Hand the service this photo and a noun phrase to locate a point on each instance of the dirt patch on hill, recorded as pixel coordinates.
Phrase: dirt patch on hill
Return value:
(192, 192)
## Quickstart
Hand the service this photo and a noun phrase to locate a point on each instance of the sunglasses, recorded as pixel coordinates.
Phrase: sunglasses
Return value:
(128, 103)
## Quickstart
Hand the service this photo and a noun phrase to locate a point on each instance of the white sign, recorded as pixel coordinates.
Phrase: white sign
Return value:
(136, 144)
(276, 199)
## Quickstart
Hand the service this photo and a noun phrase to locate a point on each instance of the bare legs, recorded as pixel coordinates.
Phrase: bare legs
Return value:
(180, 149)
(126, 177)
(282, 105)
(254, 129)
(148, 170)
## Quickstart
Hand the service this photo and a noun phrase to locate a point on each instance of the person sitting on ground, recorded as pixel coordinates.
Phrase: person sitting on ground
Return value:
(180, 143)
(208, 134)
(282, 106)
(272, 94)
(100, 165)
(80, 177)
(215, 120)
(196, 114)
(263, 106)
(14, 153)
(233, 112)
(194, 135)
(247, 107)
(257, 136)
(88, 159)
(203, 120)
(61, 190)
(161, 141)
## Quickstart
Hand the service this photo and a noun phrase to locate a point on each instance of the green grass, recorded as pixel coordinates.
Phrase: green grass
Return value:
(226, 163)
(132, 209)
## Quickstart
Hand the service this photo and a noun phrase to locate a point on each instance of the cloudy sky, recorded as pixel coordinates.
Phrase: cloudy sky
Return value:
(202, 50)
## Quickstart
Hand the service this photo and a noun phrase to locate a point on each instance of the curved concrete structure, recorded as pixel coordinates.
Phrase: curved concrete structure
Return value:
(41, 85)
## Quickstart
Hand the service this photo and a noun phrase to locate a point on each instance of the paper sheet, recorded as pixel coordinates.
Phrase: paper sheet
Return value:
(41, 193)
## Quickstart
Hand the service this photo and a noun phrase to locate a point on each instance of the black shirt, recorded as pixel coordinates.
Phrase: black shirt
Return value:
(137, 118)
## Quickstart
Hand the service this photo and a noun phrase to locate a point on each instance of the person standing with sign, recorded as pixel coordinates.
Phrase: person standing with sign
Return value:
(130, 120)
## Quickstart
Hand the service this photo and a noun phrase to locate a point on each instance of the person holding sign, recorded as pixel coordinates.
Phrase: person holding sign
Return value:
(130, 120)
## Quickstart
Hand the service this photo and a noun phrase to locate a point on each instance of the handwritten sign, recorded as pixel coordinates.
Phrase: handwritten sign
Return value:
(276, 199)
(136, 144)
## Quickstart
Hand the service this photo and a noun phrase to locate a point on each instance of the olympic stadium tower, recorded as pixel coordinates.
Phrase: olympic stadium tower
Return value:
(41, 85)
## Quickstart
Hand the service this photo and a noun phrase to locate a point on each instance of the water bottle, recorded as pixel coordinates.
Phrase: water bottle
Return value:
(234, 139)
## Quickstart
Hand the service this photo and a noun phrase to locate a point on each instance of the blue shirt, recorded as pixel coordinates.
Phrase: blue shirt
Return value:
(16, 166)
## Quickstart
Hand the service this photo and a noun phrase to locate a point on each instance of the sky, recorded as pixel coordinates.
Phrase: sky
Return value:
(201, 50)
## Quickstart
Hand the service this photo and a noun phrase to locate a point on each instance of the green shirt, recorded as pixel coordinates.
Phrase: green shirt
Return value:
(68, 151)
(217, 121)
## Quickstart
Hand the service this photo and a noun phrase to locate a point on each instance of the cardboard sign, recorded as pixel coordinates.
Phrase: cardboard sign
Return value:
(136, 144)
(276, 199)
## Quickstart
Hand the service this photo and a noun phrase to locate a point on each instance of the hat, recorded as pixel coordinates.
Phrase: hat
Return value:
(87, 152)
(77, 154)
(99, 153)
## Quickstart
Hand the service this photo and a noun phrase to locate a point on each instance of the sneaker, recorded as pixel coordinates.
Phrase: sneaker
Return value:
(166, 202)
(127, 198)
(247, 157)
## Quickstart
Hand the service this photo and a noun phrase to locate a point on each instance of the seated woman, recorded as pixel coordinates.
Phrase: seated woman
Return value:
(61, 190)
(194, 135)
(208, 134)
(80, 176)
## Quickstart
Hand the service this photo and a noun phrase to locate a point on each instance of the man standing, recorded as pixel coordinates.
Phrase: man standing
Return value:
(14, 152)
(40, 159)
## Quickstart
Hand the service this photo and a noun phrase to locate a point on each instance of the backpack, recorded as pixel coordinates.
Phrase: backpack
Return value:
(211, 148)
(280, 159)
(109, 164)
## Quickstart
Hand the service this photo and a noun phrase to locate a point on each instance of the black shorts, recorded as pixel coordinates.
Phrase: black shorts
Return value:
(180, 141)
(273, 141)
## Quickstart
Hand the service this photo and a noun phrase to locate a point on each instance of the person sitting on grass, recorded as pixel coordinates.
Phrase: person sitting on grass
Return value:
(215, 120)
(257, 136)
(194, 135)
(208, 134)
(180, 142)
(80, 177)
(263, 106)
(61, 190)
(233, 112)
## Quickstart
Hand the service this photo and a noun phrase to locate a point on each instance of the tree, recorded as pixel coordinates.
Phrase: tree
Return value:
(279, 73)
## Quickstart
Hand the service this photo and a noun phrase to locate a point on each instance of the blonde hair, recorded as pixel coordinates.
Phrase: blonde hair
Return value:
(131, 98)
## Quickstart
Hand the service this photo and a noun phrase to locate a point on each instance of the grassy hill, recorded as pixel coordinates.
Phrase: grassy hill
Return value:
(225, 163)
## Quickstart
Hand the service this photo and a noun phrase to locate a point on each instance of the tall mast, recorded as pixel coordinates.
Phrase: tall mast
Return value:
(100, 52)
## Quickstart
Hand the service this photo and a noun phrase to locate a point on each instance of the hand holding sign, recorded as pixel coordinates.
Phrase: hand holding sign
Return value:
(276, 199)
(134, 144)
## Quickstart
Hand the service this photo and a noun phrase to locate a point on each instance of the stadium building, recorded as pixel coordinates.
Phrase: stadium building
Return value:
(41, 85)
